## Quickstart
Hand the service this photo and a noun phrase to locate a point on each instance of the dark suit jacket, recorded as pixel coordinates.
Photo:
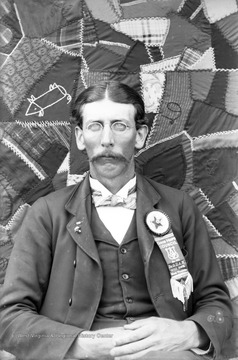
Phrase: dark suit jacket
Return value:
(54, 278)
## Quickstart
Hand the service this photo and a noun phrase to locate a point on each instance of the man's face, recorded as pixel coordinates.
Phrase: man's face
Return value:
(110, 151)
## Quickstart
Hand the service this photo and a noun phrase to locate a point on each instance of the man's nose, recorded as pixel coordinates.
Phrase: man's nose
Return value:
(107, 138)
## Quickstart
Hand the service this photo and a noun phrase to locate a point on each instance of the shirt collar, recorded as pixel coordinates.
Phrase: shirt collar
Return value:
(123, 192)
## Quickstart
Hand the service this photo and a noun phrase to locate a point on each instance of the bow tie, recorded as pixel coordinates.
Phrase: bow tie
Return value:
(115, 200)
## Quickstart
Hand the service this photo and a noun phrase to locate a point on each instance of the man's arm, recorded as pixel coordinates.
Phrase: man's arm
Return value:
(23, 331)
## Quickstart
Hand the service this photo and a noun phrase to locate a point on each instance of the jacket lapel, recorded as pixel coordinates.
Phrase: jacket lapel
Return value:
(147, 198)
(79, 205)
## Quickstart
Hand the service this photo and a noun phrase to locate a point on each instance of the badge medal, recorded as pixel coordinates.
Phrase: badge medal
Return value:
(181, 280)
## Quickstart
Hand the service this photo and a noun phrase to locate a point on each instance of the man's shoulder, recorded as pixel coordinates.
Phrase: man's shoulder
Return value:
(58, 198)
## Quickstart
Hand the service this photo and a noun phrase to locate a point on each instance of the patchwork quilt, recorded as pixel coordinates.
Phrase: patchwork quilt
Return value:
(181, 55)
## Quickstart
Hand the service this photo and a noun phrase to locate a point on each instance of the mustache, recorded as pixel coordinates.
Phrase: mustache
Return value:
(108, 154)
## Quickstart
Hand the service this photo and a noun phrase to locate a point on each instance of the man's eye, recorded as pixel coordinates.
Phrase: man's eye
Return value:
(95, 126)
(119, 126)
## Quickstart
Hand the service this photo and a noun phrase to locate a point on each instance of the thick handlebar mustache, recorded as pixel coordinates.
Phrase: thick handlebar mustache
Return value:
(114, 156)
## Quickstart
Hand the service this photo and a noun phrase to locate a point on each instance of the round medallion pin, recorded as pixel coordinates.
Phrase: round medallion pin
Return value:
(158, 222)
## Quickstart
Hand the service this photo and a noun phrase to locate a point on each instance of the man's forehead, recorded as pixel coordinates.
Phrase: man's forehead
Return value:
(106, 108)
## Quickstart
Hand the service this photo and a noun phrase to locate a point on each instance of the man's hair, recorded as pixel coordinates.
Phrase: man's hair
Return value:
(114, 91)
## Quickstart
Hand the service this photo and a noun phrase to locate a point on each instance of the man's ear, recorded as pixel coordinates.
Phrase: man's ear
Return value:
(141, 135)
(79, 138)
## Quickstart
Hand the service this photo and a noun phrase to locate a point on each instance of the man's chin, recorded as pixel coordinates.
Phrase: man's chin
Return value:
(108, 169)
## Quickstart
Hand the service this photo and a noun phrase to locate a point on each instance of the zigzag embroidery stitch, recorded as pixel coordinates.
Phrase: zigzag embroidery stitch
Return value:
(19, 210)
(164, 140)
(209, 203)
(60, 48)
(23, 158)
(211, 225)
(113, 43)
(42, 124)
(227, 132)
(227, 256)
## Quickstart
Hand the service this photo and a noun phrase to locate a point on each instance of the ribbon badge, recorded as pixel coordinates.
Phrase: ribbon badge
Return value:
(181, 281)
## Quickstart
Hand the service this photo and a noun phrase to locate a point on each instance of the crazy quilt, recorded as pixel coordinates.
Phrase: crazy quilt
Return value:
(181, 55)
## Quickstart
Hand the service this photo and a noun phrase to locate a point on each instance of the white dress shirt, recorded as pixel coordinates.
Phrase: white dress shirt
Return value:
(117, 219)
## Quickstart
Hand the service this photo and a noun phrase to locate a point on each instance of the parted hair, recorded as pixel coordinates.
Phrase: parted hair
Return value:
(114, 91)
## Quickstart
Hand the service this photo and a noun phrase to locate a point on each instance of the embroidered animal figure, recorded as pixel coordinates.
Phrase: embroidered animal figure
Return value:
(51, 97)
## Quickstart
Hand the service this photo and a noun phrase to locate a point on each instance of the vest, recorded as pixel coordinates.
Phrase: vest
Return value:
(125, 296)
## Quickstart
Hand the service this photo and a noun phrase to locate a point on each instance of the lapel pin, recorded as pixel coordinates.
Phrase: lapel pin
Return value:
(158, 222)
(77, 228)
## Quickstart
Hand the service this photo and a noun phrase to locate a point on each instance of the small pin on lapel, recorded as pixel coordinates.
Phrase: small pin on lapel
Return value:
(77, 228)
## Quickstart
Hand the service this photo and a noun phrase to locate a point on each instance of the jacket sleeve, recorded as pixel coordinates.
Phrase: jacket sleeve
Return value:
(23, 331)
(211, 305)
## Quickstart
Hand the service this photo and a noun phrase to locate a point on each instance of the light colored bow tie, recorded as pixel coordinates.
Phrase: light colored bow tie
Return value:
(115, 200)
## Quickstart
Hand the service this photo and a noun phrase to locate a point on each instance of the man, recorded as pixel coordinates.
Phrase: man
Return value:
(128, 276)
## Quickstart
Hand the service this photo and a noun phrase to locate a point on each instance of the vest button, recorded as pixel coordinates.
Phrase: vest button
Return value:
(75, 263)
(123, 250)
(125, 276)
(70, 302)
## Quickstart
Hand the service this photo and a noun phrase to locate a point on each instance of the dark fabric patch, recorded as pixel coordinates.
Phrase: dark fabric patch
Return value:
(214, 168)
(224, 220)
(78, 159)
(43, 188)
(184, 34)
(51, 160)
(217, 93)
(159, 161)
(216, 120)
(50, 98)
(226, 57)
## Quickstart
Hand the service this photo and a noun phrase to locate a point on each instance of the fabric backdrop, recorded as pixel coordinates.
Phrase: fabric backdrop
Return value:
(182, 56)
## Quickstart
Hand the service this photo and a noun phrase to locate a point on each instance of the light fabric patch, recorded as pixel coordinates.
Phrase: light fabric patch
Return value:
(217, 9)
(28, 62)
(73, 179)
(168, 64)
(233, 202)
(224, 139)
(232, 285)
(109, 13)
(152, 32)
(148, 8)
(6, 35)
(64, 167)
(206, 61)
(152, 90)
(174, 108)
(231, 100)
(188, 59)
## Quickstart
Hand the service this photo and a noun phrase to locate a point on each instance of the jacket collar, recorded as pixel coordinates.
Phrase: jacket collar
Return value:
(79, 205)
